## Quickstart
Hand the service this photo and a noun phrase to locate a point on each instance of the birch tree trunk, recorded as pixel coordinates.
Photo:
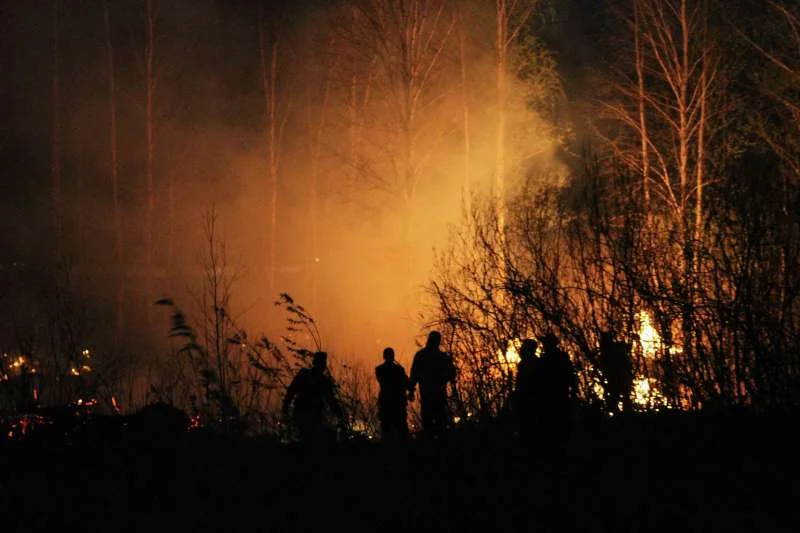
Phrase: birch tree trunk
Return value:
(316, 128)
(642, 99)
(275, 121)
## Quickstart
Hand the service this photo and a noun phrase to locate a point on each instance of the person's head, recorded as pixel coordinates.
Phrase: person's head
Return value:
(434, 339)
(388, 355)
(528, 348)
(550, 342)
(320, 360)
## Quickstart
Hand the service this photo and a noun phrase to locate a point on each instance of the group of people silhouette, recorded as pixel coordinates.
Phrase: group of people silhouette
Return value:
(542, 399)
(312, 392)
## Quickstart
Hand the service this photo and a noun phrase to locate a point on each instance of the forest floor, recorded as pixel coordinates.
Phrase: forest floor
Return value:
(669, 472)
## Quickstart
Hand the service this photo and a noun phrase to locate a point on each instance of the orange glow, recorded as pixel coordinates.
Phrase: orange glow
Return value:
(646, 393)
(510, 357)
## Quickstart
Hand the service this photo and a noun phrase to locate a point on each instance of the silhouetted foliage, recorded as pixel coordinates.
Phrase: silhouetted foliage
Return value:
(583, 260)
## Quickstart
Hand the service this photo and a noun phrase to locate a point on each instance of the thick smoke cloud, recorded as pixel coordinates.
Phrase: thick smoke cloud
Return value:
(353, 241)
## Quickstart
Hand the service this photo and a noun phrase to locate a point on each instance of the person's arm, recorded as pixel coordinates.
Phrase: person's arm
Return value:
(406, 381)
(414, 377)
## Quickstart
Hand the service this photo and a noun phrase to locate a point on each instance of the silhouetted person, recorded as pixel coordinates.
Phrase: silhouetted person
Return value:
(524, 399)
(432, 369)
(617, 368)
(312, 391)
(555, 387)
(392, 400)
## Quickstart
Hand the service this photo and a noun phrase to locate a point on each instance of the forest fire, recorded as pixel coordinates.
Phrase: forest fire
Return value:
(649, 339)
(388, 190)
(646, 394)
(645, 390)
(616, 180)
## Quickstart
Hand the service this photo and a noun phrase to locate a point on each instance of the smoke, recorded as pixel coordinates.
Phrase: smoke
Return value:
(357, 218)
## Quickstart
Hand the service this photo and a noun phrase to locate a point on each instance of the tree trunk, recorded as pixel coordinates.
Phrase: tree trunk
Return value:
(501, 59)
(316, 129)
(269, 79)
(701, 154)
(119, 319)
(55, 167)
(642, 116)
(467, 183)
(150, 171)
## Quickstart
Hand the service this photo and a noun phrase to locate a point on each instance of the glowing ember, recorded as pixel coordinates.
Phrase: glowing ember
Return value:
(599, 389)
(641, 390)
(646, 394)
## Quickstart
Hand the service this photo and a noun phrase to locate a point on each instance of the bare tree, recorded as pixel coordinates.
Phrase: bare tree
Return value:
(664, 109)
(408, 42)
(55, 166)
(149, 96)
(781, 54)
(318, 103)
(511, 18)
(119, 321)
(463, 22)
(276, 115)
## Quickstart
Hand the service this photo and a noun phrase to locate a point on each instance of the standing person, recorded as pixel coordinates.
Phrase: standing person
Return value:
(617, 369)
(392, 401)
(312, 391)
(556, 386)
(432, 369)
(524, 399)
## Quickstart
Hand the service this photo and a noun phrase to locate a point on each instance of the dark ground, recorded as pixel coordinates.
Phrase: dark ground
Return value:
(657, 473)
